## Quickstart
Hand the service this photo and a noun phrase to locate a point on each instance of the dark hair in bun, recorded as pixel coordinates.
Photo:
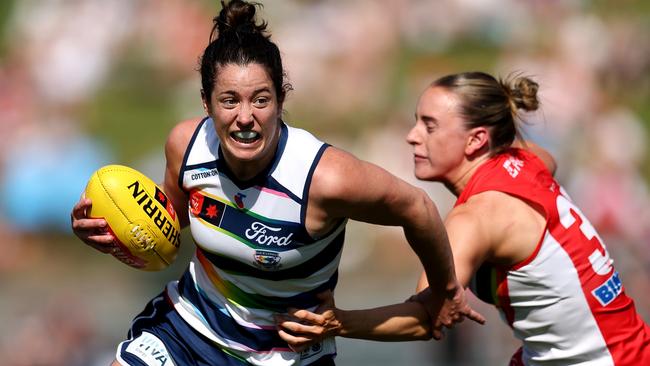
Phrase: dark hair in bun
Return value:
(237, 38)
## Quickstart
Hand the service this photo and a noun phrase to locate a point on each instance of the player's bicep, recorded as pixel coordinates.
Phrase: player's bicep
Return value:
(355, 189)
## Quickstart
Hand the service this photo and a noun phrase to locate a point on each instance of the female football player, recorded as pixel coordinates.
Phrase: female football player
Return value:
(267, 205)
(517, 238)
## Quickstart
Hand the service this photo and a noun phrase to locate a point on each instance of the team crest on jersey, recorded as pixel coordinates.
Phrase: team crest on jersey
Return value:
(267, 259)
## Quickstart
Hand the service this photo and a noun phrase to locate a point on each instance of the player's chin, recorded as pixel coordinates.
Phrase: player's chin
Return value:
(247, 152)
(422, 173)
(427, 172)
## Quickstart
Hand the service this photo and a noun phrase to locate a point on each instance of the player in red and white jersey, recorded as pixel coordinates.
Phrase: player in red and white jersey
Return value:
(518, 240)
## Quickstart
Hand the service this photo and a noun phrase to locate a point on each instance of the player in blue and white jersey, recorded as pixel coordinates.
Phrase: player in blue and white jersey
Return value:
(267, 206)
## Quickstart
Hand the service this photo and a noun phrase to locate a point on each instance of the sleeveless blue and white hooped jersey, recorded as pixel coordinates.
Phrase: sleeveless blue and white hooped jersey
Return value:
(254, 256)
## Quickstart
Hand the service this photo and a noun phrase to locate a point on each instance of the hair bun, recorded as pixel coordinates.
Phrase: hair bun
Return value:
(523, 93)
(238, 16)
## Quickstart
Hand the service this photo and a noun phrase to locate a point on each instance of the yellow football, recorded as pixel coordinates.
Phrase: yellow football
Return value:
(139, 215)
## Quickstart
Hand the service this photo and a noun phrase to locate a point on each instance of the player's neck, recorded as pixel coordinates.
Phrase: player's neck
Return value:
(464, 173)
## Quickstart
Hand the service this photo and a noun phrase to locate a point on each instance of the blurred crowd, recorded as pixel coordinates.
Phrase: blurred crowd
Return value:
(85, 83)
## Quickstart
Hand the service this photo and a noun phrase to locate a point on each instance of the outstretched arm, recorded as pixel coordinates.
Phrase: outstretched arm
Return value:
(346, 187)
(400, 322)
(471, 244)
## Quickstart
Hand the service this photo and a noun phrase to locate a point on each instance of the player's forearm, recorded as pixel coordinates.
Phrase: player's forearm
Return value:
(399, 322)
(428, 238)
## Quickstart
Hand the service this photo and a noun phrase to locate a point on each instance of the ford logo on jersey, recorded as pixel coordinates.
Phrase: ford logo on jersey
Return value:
(262, 234)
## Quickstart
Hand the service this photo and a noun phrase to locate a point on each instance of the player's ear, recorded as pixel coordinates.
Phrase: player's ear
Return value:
(206, 103)
(478, 139)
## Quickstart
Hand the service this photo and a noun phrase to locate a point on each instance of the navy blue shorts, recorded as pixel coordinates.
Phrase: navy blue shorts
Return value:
(160, 337)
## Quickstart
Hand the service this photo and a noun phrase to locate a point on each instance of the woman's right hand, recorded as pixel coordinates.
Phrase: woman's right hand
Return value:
(301, 328)
(93, 232)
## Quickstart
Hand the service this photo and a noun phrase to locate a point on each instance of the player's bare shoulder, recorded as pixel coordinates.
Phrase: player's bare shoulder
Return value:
(512, 225)
(180, 136)
(333, 173)
(469, 218)
(324, 192)
(486, 213)
(485, 201)
(175, 147)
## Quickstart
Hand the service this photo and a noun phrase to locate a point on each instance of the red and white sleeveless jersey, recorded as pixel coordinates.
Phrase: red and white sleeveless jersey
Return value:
(566, 302)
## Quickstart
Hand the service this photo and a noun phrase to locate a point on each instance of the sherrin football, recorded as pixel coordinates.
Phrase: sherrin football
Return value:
(139, 215)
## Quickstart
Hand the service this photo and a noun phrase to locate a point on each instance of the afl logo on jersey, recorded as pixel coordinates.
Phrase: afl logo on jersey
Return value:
(267, 259)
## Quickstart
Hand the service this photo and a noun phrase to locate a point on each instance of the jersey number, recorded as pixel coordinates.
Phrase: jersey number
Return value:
(600, 261)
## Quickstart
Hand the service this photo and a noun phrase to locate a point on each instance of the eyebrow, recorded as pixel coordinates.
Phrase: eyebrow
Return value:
(260, 90)
(255, 92)
(428, 119)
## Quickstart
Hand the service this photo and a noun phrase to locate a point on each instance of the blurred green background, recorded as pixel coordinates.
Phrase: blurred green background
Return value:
(85, 83)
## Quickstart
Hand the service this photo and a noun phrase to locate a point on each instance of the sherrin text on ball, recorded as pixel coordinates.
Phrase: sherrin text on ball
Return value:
(139, 215)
